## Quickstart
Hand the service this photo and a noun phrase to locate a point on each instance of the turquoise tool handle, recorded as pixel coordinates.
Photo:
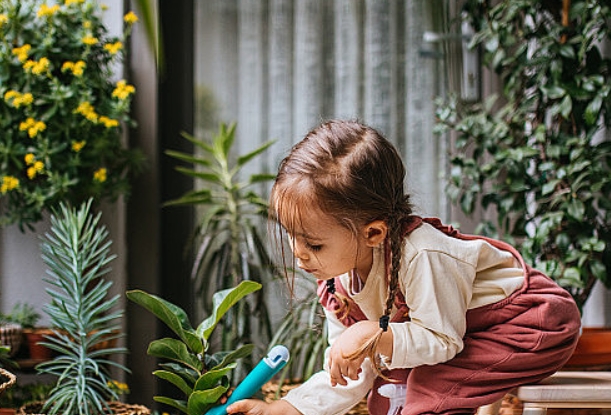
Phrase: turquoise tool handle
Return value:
(262, 373)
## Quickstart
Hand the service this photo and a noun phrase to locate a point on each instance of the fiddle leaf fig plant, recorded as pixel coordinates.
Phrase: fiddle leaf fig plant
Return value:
(537, 156)
(201, 376)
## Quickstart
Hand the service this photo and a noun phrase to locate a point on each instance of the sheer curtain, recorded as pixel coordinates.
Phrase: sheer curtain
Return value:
(279, 67)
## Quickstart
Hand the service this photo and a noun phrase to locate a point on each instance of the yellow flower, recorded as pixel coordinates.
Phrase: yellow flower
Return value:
(113, 48)
(29, 158)
(130, 18)
(78, 145)
(87, 111)
(17, 99)
(89, 40)
(22, 52)
(123, 90)
(34, 169)
(77, 68)
(87, 24)
(24, 99)
(100, 175)
(119, 387)
(11, 93)
(8, 183)
(3, 19)
(37, 68)
(69, 2)
(108, 122)
(32, 126)
(47, 11)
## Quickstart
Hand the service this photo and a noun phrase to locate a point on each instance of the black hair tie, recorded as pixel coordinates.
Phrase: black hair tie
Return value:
(384, 322)
(331, 285)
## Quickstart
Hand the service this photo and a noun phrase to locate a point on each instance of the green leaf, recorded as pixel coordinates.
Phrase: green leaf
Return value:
(222, 302)
(242, 160)
(566, 106)
(176, 350)
(175, 403)
(212, 377)
(189, 158)
(593, 110)
(173, 316)
(576, 209)
(228, 358)
(201, 401)
(174, 379)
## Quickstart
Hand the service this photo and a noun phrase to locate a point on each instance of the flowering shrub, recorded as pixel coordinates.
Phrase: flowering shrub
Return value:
(62, 108)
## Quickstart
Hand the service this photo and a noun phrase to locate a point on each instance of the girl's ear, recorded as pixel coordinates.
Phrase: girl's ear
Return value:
(375, 232)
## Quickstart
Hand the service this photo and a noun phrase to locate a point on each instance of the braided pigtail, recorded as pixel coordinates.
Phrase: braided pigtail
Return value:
(392, 255)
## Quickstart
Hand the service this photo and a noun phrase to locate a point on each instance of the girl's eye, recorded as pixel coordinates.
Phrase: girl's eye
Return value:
(314, 248)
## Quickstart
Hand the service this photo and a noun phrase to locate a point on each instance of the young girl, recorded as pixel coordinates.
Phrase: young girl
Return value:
(422, 318)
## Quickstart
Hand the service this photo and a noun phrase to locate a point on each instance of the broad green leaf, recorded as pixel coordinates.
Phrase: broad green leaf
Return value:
(173, 316)
(201, 401)
(175, 403)
(576, 209)
(229, 358)
(222, 302)
(176, 350)
(212, 377)
(174, 379)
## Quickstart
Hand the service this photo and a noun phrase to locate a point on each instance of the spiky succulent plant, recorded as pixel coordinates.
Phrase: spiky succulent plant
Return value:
(76, 252)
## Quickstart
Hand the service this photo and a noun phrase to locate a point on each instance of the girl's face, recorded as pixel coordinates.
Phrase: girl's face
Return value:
(325, 249)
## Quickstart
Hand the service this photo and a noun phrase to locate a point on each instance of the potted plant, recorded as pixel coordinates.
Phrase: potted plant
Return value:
(10, 336)
(76, 252)
(27, 317)
(62, 108)
(227, 243)
(537, 158)
(201, 376)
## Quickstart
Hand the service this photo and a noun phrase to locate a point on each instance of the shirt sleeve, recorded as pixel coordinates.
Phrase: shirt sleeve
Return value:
(438, 290)
(316, 396)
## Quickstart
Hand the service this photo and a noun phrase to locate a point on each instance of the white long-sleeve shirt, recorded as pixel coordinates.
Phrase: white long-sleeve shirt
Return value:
(441, 278)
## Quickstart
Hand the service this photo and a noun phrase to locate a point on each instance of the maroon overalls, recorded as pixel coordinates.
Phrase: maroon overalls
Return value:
(521, 339)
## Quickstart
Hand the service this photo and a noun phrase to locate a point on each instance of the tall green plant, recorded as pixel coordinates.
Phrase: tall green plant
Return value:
(228, 243)
(538, 157)
(76, 252)
(201, 376)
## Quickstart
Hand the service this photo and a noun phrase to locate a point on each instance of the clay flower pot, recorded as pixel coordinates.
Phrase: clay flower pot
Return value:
(37, 351)
(593, 348)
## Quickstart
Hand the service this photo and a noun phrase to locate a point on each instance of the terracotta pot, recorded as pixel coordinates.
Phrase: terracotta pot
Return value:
(8, 411)
(593, 348)
(37, 351)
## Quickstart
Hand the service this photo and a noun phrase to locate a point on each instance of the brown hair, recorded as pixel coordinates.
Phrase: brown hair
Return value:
(355, 175)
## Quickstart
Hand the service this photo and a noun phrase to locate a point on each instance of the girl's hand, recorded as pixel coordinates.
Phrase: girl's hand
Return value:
(347, 344)
(257, 407)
